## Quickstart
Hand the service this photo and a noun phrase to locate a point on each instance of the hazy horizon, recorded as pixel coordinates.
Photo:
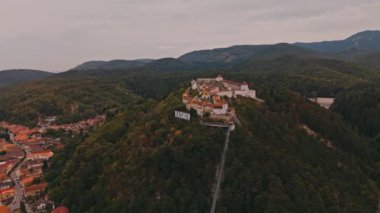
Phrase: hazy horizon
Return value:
(53, 35)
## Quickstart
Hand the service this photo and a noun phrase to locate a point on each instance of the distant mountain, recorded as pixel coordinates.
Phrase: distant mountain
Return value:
(236, 54)
(366, 40)
(112, 65)
(169, 64)
(89, 65)
(136, 67)
(8, 77)
(222, 57)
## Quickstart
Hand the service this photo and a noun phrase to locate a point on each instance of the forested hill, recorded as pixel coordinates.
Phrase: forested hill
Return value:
(309, 76)
(111, 65)
(275, 164)
(360, 106)
(71, 99)
(239, 53)
(8, 77)
(74, 95)
(362, 48)
(145, 160)
(366, 57)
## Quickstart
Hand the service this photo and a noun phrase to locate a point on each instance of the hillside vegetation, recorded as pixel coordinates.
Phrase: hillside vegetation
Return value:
(275, 165)
(308, 76)
(361, 107)
(77, 94)
(366, 57)
(69, 99)
(145, 160)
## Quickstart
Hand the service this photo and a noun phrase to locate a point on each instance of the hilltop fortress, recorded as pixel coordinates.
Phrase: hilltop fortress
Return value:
(205, 95)
(221, 87)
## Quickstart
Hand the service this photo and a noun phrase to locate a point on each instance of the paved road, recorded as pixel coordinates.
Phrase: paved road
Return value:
(219, 175)
(19, 192)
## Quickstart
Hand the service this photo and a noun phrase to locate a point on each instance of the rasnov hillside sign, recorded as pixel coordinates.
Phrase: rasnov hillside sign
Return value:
(182, 115)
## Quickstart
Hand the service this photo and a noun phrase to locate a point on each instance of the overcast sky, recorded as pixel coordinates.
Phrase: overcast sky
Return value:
(56, 35)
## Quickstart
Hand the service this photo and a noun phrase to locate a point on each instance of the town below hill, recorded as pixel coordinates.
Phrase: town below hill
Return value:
(24, 155)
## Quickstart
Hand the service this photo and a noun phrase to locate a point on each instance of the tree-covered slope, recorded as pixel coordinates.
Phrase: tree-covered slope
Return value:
(370, 58)
(309, 76)
(361, 107)
(77, 94)
(276, 165)
(71, 99)
(145, 160)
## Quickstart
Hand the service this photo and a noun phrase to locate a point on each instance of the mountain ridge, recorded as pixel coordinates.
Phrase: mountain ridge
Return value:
(112, 64)
(13, 76)
(366, 40)
(237, 53)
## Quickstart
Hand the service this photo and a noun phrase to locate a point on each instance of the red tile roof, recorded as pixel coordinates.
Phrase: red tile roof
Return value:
(4, 209)
(60, 209)
(233, 82)
(36, 187)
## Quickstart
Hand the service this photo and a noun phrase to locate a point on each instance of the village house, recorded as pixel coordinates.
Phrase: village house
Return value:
(60, 209)
(5, 167)
(79, 126)
(40, 154)
(41, 204)
(7, 193)
(26, 181)
(35, 189)
(6, 185)
(4, 209)
(34, 163)
(24, 172)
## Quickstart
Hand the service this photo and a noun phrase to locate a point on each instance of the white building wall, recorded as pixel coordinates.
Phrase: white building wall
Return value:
(205, 79)
(231, 86)
(244, 87)
(249, 93)
(219, 111)
(194, 85)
